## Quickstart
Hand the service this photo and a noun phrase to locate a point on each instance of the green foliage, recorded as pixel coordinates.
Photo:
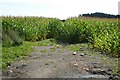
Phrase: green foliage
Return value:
(10, 54)
(53, 28)
(74, 31)
(10, 37)
(103, 35)
(33, 28)
(106, 37)
(6, 40)
(116, 71)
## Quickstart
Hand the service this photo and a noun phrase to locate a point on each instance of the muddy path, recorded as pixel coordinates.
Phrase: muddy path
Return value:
(58, 61)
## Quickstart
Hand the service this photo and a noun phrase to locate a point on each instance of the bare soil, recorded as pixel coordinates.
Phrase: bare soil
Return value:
(57, 61)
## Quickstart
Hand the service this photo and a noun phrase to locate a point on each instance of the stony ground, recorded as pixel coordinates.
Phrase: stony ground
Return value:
(58, 61)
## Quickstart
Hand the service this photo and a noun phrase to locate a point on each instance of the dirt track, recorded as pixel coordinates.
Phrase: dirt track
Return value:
(57, 61)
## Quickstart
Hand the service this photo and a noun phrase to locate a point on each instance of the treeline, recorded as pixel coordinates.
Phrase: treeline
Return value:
(100, 15)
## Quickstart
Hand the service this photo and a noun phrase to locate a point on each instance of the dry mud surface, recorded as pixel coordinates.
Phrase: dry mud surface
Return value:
(57, 61)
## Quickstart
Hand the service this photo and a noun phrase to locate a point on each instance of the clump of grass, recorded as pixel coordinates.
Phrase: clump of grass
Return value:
(52, 49)
(43, 51)
(76, 47)
(116, 68)
(47, 42)
(10, 38)
(73, 48)
(6, 40)
(10, 54)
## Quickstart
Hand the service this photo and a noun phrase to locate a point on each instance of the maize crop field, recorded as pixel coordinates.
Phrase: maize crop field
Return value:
(103, 34)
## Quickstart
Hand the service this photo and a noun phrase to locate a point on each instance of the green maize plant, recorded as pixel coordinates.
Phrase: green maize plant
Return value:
(103, 34)
(75, 31)
(53, 28)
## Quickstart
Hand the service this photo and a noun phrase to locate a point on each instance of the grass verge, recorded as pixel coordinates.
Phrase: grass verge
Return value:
(10, 54)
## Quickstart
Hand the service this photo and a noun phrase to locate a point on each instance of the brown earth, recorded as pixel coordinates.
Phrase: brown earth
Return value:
(57, 61)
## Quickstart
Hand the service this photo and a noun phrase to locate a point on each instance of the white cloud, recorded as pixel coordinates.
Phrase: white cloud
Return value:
(58, 8)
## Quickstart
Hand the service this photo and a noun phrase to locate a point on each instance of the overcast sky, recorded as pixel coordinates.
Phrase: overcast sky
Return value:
(57, 8)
